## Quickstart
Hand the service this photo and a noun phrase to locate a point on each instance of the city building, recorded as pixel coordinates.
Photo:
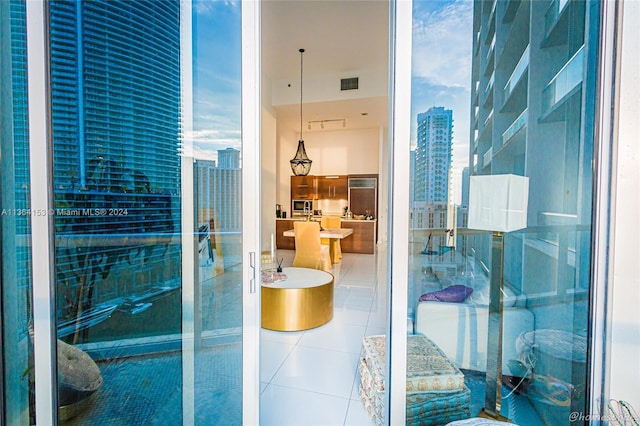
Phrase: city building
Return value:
(533, 78)
(229, 158)
(219, 193)
(115, 90)
(433, 155)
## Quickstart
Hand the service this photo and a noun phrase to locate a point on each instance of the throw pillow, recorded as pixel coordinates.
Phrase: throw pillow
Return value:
(455, 294)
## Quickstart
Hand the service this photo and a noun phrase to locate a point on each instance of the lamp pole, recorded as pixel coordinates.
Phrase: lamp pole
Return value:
(493, 381)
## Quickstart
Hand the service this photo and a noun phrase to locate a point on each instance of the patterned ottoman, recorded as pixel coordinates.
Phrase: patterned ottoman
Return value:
(436, 393)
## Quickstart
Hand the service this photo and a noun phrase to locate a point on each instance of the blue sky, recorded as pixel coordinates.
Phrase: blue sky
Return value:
(442, 42)
(217, 84)
(441, 70)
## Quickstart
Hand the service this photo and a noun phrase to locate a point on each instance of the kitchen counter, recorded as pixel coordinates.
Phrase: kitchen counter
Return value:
(317, 218)
(363, 239)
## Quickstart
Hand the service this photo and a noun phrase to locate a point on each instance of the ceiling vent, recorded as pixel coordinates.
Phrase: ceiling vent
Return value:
(349, 83)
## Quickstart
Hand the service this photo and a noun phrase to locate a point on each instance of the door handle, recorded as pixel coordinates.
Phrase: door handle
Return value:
(252, 272)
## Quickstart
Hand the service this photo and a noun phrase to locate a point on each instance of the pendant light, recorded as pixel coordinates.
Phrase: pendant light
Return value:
(300, 164)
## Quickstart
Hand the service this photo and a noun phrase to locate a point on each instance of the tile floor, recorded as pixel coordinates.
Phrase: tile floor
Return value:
(310, 377)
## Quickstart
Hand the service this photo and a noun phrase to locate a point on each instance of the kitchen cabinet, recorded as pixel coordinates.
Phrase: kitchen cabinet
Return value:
(363, 201)
(303, 187)
(363, 195)
(334, 187)
(282, 242)
(363, 239)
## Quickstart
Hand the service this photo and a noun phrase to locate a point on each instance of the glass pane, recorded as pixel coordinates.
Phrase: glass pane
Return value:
(139, 340)
(218, 200)
(539, 125)
(17, 346)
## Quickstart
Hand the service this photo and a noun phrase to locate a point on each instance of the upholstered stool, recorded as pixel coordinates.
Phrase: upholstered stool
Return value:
(436, 393)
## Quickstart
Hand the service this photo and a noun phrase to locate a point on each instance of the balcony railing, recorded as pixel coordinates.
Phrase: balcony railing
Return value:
(490, 83)
(518, 72)
(493, 9)
(487, 121)
(516, 126)
(491, 47)
(569, 77)
(486, 158)
(553, 13)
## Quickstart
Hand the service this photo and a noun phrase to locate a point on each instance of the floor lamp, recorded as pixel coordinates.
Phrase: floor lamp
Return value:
(497, 203)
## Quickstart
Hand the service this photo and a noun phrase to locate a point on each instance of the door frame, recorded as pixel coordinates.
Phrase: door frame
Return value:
(251, 168)
(400, 50)
(41, 161)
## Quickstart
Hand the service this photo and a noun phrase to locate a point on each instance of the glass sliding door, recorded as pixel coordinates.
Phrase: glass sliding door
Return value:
(502, 90)
(151, 285)
(16, 317)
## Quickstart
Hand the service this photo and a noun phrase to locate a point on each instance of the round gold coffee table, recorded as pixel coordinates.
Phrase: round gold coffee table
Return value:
(302, 301)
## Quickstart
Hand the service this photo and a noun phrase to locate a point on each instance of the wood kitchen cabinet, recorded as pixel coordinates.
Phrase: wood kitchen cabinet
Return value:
(333, 187)
(282, 242)
(303, 187)
(363, 239)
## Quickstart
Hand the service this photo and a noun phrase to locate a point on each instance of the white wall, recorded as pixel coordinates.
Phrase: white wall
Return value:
(322, 88)
(383, 185)
(332, 152)
(625, 334)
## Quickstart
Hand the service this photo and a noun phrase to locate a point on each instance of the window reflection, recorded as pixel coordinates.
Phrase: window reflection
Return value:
(529, 130)
(125, 314)
(16, 291)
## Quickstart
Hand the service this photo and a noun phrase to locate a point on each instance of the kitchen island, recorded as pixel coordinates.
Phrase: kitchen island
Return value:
(363, 239)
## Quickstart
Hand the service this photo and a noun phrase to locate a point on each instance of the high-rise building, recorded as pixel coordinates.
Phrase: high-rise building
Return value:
(412, 176)
(228, 158)
(532, 102)
(433, 155)
(115, 74)
(219, 195)
(115, 90)
(529, 117)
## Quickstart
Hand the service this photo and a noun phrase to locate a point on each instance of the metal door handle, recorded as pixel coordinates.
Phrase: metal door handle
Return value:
(252, 272)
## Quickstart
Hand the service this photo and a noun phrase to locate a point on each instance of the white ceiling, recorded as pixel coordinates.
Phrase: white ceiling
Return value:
(338, 37)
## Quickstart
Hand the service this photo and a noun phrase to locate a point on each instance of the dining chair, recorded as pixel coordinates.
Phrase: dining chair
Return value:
(309, 252)
(332, 222)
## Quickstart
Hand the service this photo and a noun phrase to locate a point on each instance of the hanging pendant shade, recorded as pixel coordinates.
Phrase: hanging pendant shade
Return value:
(300, 164)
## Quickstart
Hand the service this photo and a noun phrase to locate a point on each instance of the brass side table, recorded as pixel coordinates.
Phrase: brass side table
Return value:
(302, 301)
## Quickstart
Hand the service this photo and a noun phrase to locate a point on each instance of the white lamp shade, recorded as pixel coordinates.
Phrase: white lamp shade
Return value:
(498, 202)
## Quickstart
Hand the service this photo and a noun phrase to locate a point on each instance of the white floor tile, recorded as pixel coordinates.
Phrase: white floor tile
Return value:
(290, 337)
(358, 298)
(335, 336)
(272, 357)
(375, 331)
(356, 415)
(283, 406)
(350, 316)
(355, 393)
(310, 377)
(318, 370)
